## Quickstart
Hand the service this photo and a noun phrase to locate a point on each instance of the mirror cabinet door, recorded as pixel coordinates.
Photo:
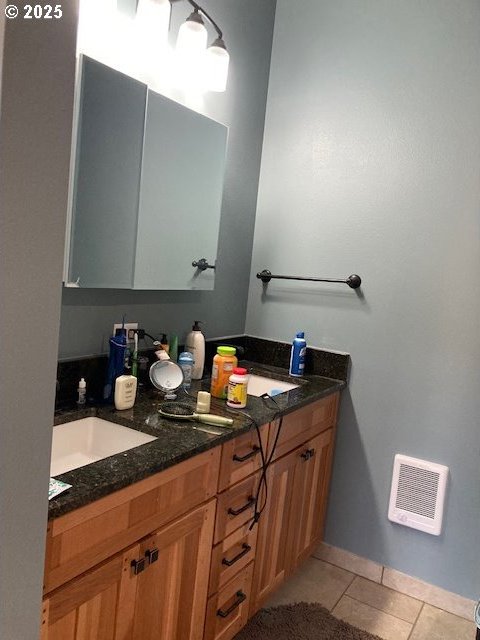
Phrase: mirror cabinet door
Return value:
(107, 177)
(148, 186)
(180, 196)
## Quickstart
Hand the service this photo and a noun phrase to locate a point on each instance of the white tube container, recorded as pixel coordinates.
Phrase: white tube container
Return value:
(195, 344)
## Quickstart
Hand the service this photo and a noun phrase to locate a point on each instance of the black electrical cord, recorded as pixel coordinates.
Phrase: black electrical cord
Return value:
(151, 337)
(263, 482)
(265, 465)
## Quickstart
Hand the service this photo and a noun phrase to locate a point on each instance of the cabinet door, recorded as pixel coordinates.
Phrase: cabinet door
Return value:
(107, 177)
(309, 498)
(170, 595)
(180, 196)
(87, 608)
(272, 559)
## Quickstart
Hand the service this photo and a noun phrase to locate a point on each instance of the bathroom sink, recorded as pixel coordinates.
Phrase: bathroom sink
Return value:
(258, 385)
(76, 444)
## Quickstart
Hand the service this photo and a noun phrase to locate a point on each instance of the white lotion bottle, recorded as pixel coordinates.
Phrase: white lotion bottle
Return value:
(195, 344)
(125, 392)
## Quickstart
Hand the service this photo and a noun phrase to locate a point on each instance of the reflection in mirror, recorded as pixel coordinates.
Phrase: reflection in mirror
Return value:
(147, 190)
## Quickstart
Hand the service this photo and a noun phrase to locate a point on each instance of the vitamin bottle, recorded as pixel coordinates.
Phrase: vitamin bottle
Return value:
(223, 365)
(237, 388)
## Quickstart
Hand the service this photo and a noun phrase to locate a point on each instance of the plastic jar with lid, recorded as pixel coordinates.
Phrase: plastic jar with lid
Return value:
(237, 388)
(223, 365)
(186, 362)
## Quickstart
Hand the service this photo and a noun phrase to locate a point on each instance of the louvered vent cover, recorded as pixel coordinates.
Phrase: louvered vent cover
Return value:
(418, 494)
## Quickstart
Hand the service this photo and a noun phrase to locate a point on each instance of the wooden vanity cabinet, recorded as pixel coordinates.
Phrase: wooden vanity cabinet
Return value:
(83, 538)
(154, 589)
(298, 482)
(174, 556)
(136, 561)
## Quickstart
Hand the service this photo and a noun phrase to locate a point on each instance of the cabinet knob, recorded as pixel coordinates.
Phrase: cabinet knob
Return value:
(138, 566)
(309, 453)
(202, 264)
(151, 555)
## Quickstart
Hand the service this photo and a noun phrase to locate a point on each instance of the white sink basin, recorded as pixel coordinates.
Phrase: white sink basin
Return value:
(258, 385)
(76, 444)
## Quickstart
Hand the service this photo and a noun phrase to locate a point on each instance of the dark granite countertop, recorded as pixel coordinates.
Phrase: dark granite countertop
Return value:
(176, 440)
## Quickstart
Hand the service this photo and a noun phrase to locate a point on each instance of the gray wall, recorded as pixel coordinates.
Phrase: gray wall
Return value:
(88, 315)
(370, 165)
(35, 126)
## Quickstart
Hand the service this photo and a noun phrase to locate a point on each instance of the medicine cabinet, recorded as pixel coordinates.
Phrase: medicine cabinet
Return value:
(147, 187)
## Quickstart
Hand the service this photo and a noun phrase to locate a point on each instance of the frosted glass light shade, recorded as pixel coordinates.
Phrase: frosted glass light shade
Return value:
(192, 36)
(153, 16)
(216, 66)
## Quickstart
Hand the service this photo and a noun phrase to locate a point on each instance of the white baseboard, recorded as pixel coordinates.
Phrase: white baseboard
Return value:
(410, 586)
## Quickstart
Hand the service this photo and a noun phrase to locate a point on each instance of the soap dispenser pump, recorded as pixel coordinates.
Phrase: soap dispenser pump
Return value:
(195, 344)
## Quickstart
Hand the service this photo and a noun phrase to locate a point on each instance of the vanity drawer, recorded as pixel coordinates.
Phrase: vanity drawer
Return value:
(227, 611)
(235, 507)
(303, 424)
(83, 538)
(241, 457)
(232, 555)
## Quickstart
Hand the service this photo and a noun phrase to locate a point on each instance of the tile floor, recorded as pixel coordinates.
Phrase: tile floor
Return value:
(371, 606)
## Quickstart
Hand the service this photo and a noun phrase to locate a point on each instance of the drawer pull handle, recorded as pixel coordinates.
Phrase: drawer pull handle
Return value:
(151, 555)
(309, 453)
(138, 566)
(241, 597)
(247, 505)
(246, 548)
(252, 453)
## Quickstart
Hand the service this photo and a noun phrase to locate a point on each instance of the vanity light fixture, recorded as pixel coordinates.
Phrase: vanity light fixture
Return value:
(211, 62)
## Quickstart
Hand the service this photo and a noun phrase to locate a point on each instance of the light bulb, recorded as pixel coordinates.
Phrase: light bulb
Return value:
(216, 66)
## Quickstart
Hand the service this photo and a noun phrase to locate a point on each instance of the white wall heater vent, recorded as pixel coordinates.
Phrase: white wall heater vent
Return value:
(418, 494)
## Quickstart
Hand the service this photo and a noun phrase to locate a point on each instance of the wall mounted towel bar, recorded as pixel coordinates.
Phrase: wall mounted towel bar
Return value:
(353, 281)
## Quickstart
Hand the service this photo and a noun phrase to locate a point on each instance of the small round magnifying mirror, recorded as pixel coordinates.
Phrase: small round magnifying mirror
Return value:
(166, 376)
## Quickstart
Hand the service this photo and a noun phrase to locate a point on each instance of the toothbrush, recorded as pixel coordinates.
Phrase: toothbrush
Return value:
(135, 354)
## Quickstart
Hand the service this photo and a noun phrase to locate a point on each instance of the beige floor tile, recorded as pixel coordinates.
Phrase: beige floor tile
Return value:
(315, 581)
(387, 600)
(349, 561)
(372, 620)
(435, 596)
(435, 624)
